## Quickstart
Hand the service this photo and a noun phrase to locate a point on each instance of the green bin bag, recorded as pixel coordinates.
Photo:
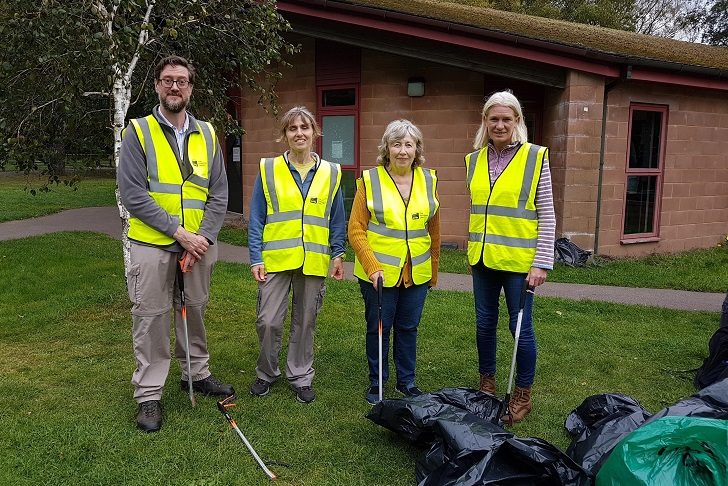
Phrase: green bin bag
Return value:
(674, 451)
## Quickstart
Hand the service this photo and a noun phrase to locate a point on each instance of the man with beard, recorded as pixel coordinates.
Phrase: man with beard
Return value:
(172, 181)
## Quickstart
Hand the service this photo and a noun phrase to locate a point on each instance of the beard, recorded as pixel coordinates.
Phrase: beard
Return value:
(173, 106)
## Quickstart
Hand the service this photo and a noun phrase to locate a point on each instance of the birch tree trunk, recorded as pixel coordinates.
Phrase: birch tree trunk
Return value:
(121, 99)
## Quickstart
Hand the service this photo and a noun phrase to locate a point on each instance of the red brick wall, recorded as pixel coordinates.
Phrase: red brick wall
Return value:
(448, 116)
(695, 192)
(298, 87)
(694, 211)
(572, 131)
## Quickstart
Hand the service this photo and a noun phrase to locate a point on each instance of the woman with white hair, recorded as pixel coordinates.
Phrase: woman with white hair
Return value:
(511, 236)
(394, 229)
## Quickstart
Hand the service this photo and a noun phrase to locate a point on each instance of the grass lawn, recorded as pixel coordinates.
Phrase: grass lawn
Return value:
(17, 202)
(697, 270)
(67, 413)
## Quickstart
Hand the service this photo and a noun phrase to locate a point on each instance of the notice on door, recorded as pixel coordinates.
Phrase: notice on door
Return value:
(337, 149)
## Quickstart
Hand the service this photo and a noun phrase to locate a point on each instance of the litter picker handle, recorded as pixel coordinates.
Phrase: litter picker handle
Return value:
(527, 289)
(380, 284)
(185, 261)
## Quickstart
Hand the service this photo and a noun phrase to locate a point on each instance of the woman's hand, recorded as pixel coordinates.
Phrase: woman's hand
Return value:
(259, 273)
(536, 276)
(338, 271)
(375, 277)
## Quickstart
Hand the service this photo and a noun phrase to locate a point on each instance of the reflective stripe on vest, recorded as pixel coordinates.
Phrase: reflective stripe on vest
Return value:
(503, 228)
(296, 232)
(182, 199)
(395, 228)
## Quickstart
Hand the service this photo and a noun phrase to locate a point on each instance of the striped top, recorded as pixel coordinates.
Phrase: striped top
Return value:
(497, 162)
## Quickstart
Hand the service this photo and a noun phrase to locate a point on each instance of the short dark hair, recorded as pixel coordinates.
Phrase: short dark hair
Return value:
(175, 61)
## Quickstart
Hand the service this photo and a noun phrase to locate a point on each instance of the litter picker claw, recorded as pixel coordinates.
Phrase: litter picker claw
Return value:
(223, 405)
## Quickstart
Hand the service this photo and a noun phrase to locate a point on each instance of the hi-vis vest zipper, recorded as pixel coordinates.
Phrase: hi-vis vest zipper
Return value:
(184, 199)
(503, 228)
(296, 230)
(395, 228)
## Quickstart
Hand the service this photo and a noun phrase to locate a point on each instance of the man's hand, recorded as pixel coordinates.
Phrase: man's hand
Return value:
(195, 244)
(536, 276)
(338, 271)
(259, 273)
(375, 277)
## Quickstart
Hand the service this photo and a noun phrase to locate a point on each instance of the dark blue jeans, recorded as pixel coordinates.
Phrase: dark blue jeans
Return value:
(487, 286)
(401, 309)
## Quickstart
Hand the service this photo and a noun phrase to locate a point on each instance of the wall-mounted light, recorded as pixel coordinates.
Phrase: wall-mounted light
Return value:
(416, 87)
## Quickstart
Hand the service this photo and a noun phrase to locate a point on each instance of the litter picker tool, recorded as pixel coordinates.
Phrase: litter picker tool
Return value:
(184, 267)
(380, 284)
(504, 414)
(223, 405)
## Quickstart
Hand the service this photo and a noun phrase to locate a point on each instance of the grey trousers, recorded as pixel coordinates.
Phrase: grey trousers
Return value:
(153, 288)
(308, 295)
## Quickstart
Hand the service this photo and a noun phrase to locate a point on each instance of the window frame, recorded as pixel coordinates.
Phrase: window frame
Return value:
(349, 110)
(658, 172)
(354, 110)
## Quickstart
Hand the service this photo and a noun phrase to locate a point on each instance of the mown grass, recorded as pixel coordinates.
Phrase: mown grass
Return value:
(697, 270)
(22, 197)
(66, 406)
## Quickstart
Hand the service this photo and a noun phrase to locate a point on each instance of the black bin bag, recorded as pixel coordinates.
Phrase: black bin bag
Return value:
(598, 424)
(468, 447)
(602, 423)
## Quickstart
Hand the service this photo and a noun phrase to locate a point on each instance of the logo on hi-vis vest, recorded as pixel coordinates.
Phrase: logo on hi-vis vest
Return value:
(313, 200)
(415, 215)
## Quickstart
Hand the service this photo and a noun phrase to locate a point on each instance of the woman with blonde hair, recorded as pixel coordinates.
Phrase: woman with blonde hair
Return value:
(511, 236)
(394, 229)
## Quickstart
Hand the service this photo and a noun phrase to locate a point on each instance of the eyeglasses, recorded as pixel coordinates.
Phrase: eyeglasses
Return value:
(181, 83)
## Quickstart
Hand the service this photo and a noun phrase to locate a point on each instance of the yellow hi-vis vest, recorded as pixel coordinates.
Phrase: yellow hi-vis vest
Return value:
(184, 199)
(296, 231)
(396, 228)
(503, 226)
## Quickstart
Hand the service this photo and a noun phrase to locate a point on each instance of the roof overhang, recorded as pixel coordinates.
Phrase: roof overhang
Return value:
(478, 49)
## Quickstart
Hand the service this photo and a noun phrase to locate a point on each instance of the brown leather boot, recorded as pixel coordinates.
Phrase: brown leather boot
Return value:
(487, 384)
(520, 404)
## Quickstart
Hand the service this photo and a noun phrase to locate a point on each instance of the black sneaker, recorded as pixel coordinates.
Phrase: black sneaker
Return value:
(372, 395)
(260, 388)
(209, 386)
(411, 391)
(149, 416)
(305, 394)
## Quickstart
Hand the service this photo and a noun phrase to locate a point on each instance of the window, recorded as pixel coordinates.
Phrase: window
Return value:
(338, 77)
(646, 154)
(339, 112)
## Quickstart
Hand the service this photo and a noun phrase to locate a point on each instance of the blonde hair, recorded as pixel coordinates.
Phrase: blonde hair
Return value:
(397, 130)
(294, 113)
(501, 98)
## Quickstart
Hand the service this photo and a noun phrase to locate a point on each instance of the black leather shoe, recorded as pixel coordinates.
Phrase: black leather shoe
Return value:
(149, 416)
(209, 386)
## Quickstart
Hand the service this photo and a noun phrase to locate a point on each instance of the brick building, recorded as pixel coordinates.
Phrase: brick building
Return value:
(637, 126)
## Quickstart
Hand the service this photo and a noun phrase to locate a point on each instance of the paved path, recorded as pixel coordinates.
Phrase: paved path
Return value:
(106, 220)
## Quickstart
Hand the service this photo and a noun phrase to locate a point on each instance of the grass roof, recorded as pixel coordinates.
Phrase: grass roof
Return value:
(629, 46)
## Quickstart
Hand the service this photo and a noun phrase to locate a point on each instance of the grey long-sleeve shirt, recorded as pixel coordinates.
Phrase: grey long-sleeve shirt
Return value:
(131, 176)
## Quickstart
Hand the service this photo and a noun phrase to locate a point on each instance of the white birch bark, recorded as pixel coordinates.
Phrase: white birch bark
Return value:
(121, 99)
